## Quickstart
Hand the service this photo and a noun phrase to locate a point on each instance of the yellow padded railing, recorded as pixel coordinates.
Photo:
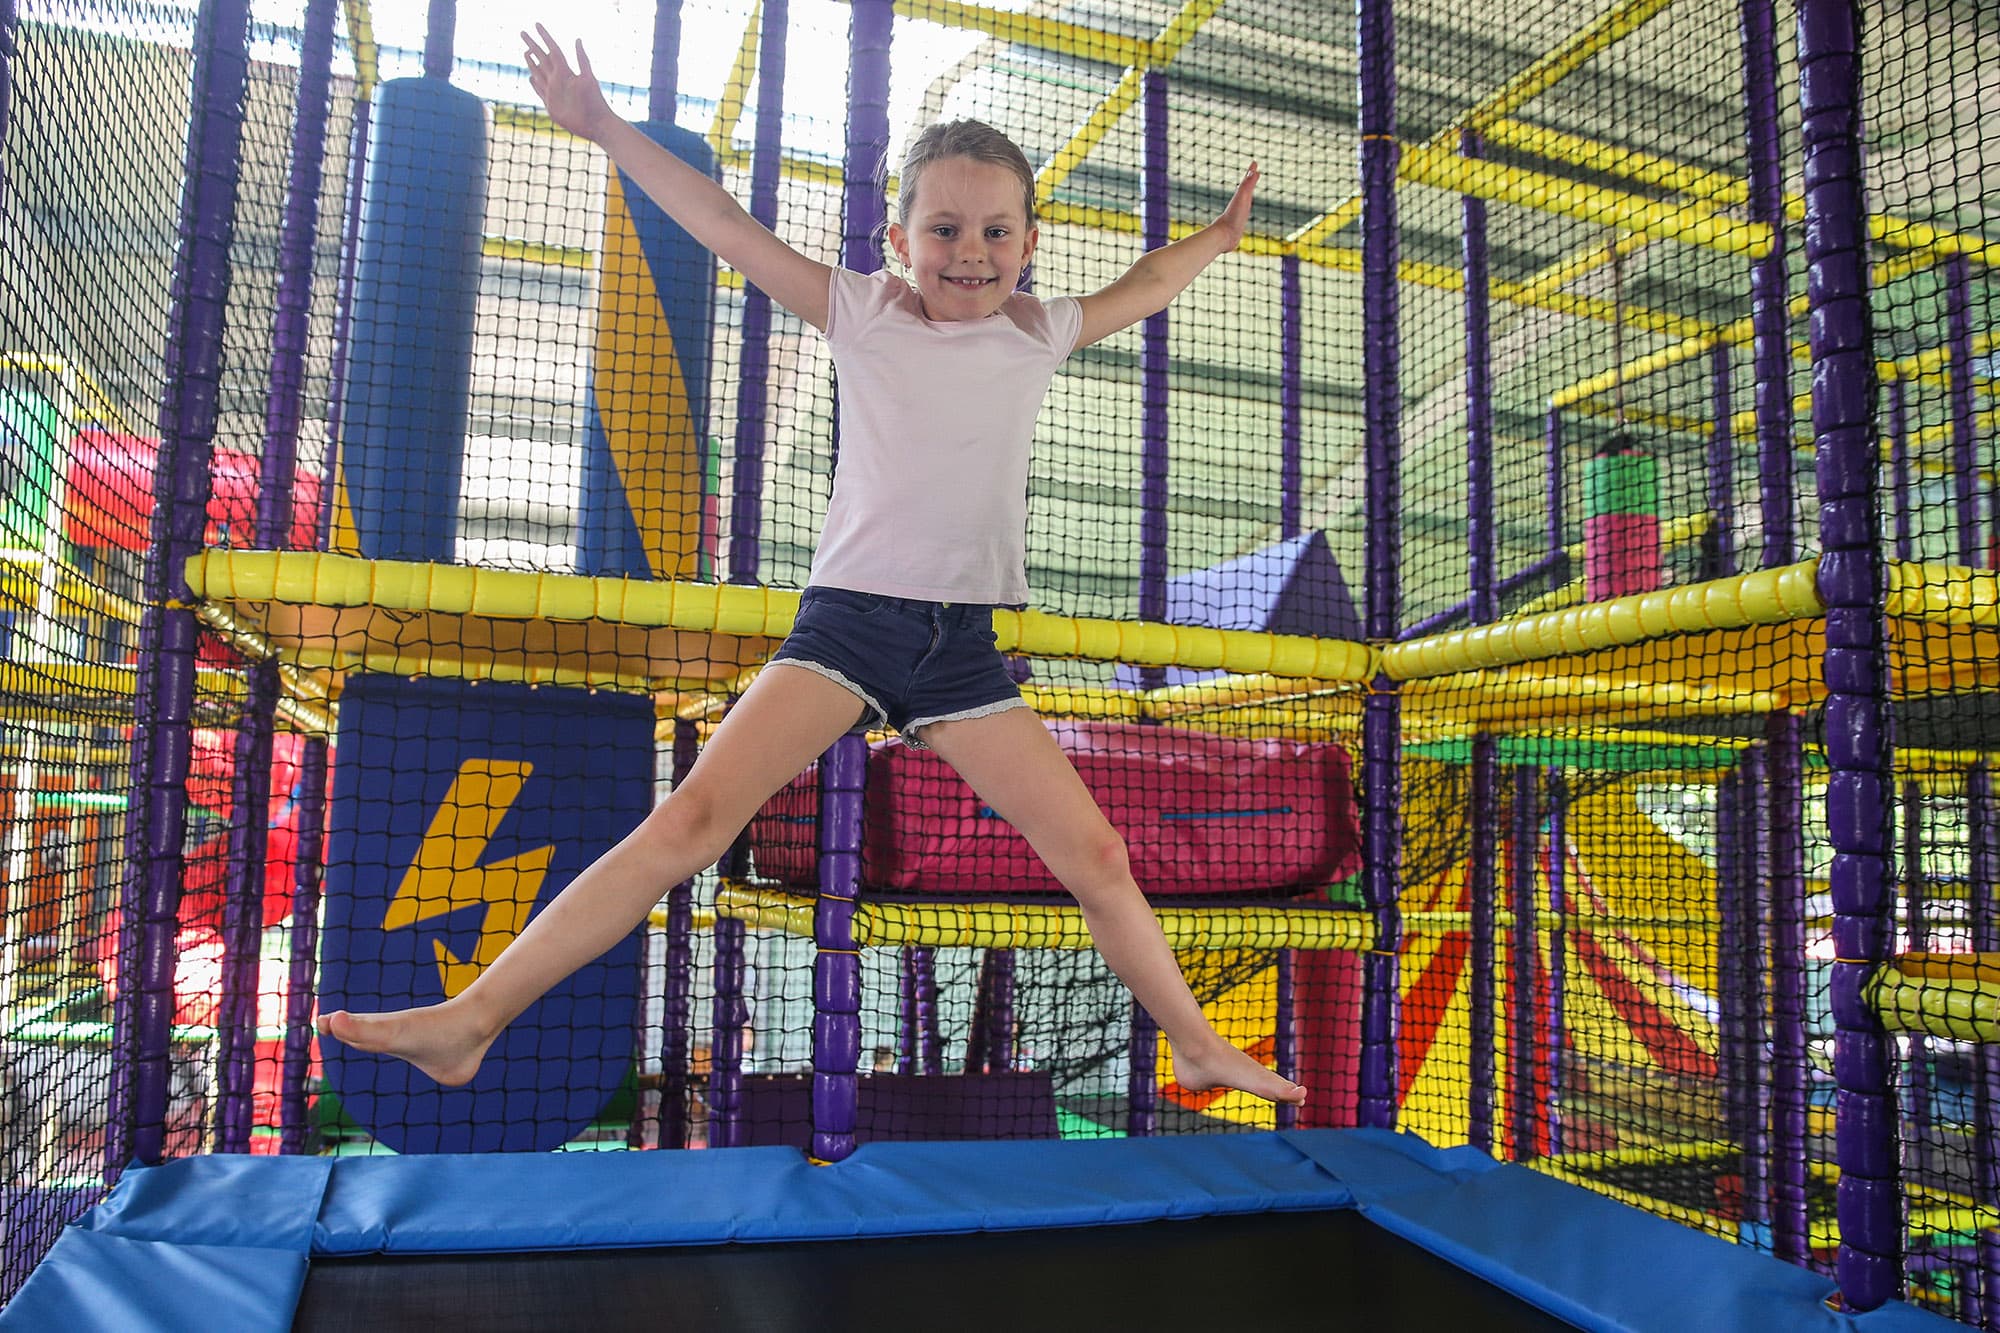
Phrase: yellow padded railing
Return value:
(1766, 597)
(332, 580)
(1954, 996)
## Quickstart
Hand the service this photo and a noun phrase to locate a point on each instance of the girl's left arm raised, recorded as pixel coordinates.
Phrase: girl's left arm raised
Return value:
(1161, 275)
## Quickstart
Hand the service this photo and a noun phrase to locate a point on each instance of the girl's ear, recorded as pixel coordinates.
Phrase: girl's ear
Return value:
(899, 241)
(1034, 236)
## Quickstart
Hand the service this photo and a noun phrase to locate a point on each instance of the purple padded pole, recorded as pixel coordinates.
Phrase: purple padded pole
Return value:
(304, 972)
(167, 629)
(1482, 602)
(1482, 873)
(677, 997)
(843, 772)
(663, 89)
(730, 1015)
(1291, 401)
(746, 511)
(1482, 606)
(1964, 432)
(1155, 356)
(1558, 866)
(1852, 585)
(243, 912)
(1285, 1035)
(1754, 984)
(906, 1014)
(1735, 867)
(1790, 1104)
(343, 310)
(1984, 878)
(1729, 854)
(989, 1044)
(10, 26)
(1916, 1079)
(291, 327)
(1771, 339)
(439, 36)
(1381, 721)
(1142, 1084)
(1899, 470)
(1552, 445)
(998, 967)
(1523, 1000)
(1719, 544)
(924, 999)
(250, 794)
(864, 208)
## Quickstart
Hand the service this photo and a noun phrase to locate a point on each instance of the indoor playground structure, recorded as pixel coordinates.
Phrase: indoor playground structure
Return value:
(1533, 614)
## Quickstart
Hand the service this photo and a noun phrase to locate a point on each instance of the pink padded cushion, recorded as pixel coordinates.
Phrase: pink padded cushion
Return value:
(1201, 814)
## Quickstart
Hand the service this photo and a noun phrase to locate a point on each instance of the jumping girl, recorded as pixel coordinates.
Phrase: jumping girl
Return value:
(941, 377)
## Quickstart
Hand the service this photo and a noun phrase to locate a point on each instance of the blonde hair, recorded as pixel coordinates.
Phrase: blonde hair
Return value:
(962, 138)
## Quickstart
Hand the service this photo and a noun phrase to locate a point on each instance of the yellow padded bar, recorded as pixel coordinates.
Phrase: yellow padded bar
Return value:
(1955, 1007)
(1951, 594)
(1766, 597)
(104, 680)
(947, 923)
(330, 580)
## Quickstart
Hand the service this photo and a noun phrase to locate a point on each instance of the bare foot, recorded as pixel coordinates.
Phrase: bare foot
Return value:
(1228, 1066)
(438, 1039)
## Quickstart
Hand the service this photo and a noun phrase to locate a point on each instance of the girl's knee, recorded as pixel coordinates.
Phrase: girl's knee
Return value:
(690, 819)
(1101, 859)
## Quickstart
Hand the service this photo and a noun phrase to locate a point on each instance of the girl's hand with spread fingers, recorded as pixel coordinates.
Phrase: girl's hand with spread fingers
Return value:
(572, 96)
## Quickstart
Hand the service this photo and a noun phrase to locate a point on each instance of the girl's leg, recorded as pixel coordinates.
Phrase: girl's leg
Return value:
(1016, 766)
(785, 720)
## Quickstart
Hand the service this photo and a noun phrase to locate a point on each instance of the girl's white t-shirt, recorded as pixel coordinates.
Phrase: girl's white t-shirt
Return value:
(930, 496)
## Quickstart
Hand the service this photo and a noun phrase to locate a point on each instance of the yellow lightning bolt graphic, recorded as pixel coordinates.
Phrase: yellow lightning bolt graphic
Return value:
(446, 875)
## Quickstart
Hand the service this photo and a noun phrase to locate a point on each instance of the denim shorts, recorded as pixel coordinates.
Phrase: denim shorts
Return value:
(911, 663)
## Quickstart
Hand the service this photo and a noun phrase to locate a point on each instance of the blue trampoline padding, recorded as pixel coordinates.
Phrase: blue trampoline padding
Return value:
(260, 1202)
(234, 1234)
(454, 1204)
(98, 1280)
(1581, 1256)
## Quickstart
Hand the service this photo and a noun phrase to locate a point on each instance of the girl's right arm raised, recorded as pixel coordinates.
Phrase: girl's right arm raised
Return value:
(703, 208)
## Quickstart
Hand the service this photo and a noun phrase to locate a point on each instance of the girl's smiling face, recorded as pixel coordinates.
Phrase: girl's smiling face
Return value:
(968, 238)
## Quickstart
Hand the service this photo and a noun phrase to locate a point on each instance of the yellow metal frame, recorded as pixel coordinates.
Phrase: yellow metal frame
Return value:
(736, 88)
(1158, 53)
(1032, 30)
(1568, 56)
(361, 40)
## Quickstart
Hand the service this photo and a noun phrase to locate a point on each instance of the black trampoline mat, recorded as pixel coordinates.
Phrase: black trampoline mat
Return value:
(1320, 1270)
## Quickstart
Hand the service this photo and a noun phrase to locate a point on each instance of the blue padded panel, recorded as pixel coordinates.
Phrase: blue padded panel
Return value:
(1581, 1256)
(98, 1280)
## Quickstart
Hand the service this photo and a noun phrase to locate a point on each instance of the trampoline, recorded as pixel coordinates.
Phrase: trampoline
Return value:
(1325, 1228)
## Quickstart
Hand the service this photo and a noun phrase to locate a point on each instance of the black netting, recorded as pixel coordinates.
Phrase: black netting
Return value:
(394, 504)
